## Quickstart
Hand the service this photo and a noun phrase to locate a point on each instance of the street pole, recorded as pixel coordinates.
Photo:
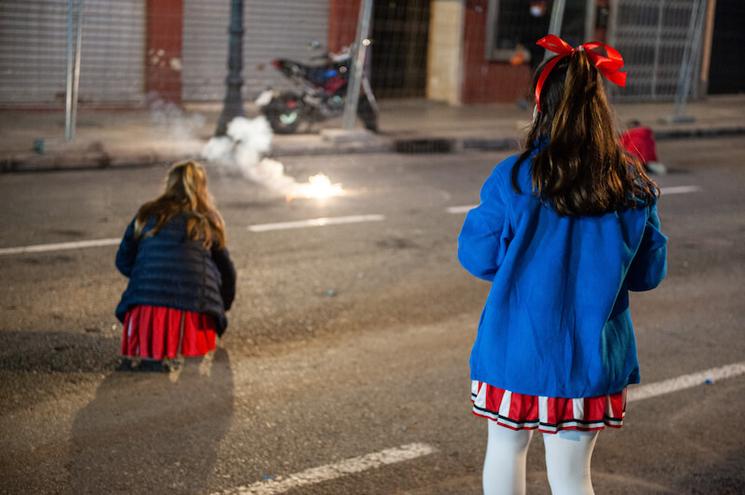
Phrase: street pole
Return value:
(690, 59)
(233, 104)
(554, 26)
(74, 39)
(359, 52)
(557, 16)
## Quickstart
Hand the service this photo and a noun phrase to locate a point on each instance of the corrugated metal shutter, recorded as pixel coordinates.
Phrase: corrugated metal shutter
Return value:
(273, 29)
(205, 49)
(33, 37)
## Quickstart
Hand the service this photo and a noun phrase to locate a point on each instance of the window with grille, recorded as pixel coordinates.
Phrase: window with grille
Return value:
(515, 23)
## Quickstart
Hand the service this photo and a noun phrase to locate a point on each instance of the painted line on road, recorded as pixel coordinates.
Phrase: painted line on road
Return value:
(315, 222)
(333, 471)
(265, 227)
(407, 452)
(679, 189)
(59, 246)
(685, 381)
(456, 210)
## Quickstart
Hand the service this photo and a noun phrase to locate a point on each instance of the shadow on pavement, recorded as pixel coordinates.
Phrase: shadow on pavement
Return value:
(719, 472)
(149, 433)
(57, 352)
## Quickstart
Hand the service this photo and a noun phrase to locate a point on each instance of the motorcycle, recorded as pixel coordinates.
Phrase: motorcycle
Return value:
(321, 93)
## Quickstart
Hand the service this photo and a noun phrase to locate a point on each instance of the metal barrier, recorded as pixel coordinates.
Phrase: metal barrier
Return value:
(660, 41)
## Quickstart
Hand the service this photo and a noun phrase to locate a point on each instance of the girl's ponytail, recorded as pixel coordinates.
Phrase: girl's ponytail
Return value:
(580, 167)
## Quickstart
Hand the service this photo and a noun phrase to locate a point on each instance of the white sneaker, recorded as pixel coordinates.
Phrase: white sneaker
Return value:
(656, 168)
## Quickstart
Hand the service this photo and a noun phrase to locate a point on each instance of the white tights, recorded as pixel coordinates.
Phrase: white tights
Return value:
(568, 455)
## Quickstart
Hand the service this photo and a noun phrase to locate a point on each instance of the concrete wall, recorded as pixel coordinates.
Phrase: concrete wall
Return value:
(445, 53)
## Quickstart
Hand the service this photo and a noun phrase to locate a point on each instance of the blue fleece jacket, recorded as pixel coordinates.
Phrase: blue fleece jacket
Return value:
(557, 321)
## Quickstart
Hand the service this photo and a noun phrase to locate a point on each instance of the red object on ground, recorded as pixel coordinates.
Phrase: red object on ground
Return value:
(547, 414)
(639, 141)
(157, 332)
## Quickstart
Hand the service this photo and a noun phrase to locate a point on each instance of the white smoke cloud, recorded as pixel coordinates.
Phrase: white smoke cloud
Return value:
(167, 116)
(244, 150)
(219, 150)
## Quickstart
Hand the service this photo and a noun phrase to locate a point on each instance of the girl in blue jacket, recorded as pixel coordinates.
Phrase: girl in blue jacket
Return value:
(181, 278)
(563, 231)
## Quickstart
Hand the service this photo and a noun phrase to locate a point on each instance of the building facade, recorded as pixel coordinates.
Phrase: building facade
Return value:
(455, 51)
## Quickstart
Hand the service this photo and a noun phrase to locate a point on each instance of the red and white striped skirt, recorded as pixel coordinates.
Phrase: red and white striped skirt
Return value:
(158, 332)
(547, 414)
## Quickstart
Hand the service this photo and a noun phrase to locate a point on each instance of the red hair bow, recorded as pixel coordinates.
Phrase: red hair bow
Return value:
(609, 65)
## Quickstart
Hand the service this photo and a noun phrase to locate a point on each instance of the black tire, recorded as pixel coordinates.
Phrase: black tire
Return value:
(285, 113)
(367, 114)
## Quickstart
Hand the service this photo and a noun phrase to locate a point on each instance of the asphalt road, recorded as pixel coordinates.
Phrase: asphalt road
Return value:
(344, 340)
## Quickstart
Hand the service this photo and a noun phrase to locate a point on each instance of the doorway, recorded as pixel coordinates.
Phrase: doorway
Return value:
(400, 35)
(727, 72)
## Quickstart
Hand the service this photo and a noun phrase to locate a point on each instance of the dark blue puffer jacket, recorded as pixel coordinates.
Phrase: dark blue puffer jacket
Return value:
(168, 269)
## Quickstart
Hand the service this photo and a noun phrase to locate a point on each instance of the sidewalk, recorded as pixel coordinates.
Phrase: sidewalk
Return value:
(145, 137)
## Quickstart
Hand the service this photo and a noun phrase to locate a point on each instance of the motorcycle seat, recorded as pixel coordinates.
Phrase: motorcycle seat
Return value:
(318, 74)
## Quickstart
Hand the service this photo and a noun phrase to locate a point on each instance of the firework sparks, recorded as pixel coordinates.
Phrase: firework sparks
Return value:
(319, 187)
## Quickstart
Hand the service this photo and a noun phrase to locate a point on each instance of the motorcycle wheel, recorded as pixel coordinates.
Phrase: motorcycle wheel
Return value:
(367, 114)
(284, 113)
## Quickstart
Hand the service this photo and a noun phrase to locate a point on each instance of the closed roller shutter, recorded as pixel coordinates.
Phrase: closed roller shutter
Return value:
(273, 29)
(33, 41)
(205, 49)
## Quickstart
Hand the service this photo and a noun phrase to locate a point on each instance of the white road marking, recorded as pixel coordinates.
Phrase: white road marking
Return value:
(315, 222)
(412, 451)
(59, 246)
(332, 471)
(299, 224)
(456, 210)
(685, 381)
(679, 189)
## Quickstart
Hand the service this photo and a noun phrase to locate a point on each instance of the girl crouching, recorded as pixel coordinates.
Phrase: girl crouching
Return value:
(181, 278)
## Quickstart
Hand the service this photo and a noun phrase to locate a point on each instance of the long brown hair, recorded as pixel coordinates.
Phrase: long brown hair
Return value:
(185, 193)
(580, 167)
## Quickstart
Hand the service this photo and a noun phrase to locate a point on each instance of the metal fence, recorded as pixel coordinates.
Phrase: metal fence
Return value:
(661, 41)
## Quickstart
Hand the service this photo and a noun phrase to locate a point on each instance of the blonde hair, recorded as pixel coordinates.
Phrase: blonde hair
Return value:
(185, 193)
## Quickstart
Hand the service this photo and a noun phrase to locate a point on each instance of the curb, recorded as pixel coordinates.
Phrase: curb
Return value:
(454, 145)
(701, 132)
(100, 160)
(70, 161)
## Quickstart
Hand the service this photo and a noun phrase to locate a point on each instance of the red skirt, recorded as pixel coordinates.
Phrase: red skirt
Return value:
(158, 332)
(547, 414)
